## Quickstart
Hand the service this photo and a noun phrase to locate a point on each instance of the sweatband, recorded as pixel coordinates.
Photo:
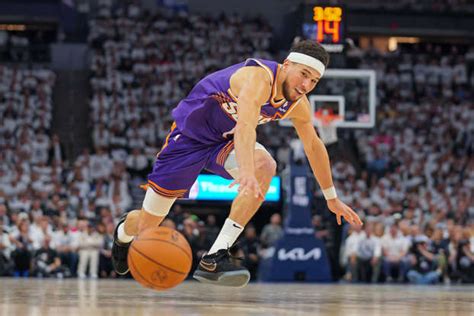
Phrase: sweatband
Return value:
(330, 193)
(308, 61)
(156, 204)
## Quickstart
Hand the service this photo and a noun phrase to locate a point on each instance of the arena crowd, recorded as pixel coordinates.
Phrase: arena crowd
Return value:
(411, 180)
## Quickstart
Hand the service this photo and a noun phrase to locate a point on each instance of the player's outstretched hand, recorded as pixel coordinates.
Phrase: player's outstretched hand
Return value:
(248, 185)
(342, 210)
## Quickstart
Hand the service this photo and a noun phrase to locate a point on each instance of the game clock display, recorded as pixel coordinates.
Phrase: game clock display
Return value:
(326, 25)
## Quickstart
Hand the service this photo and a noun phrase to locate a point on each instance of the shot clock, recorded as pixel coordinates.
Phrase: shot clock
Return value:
(326, 25)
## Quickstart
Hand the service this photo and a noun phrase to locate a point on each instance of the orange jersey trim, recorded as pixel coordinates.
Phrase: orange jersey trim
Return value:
(173, 126)
(224, 153)
(270, 72)
(165, 192)
(274, 92)
(292, 106)
(232, 95)
(274, 86)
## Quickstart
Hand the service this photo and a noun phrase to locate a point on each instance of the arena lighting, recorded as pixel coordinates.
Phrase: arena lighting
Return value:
(12, 27)
(393, 41)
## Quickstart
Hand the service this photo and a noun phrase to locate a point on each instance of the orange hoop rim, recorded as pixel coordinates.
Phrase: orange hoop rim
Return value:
(326, 119)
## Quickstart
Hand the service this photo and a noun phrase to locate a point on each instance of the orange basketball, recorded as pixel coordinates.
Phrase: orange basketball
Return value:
(160, 258)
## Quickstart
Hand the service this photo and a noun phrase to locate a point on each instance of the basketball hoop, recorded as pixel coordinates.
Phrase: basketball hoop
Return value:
(326, 116)
(327, 123)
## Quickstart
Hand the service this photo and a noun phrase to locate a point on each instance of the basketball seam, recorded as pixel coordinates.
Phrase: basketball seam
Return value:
(152, 260)
(153, 286)
(169, 242)
(139, 275)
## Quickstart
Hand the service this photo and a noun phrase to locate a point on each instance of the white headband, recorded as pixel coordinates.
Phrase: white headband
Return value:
(308, 61)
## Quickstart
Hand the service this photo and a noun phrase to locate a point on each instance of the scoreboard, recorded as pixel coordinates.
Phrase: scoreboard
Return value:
(326, 25)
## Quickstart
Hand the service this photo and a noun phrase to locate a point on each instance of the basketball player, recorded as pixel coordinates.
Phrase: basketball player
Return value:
(215, 129)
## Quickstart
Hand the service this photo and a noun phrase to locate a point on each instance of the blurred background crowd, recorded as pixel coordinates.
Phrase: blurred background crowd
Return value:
(411, 178)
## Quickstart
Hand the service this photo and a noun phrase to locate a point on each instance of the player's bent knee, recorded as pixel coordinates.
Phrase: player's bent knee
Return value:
(131, 223)
(133, 216)
(265, 163)
(156, 204)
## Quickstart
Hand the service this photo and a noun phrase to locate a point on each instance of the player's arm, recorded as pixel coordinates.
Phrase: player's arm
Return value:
(253, 87)
(313, 146)
(318, 158)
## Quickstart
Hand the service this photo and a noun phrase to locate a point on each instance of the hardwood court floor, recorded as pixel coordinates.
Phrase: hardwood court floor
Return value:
(125, 297)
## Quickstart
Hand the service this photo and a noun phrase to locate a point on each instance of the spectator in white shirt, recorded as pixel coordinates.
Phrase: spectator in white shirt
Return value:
(89, 245)
(394, 249)
(39, 230)
(349, 257)
(369, 252)
(100, 164)
(66, 243)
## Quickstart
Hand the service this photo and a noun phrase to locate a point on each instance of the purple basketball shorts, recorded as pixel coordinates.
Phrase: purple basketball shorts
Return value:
(182, 159)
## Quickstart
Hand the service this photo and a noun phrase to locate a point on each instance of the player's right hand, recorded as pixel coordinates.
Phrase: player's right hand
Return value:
(248, 185)
(340, 209)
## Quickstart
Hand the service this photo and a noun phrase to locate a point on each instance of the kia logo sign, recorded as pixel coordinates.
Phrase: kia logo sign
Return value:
(299, 254)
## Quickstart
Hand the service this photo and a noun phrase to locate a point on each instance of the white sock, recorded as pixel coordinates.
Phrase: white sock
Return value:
(122, 236)
(228, 235)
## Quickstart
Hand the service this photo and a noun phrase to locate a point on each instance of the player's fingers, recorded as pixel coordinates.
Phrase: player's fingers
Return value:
(233, 183)
(354, 220)
(357, 220)
(243, 187)
(242, 190)
(348, 215)
(253, 189)
(355, 217)
(338, 219)
(348, 218)
(258, 192)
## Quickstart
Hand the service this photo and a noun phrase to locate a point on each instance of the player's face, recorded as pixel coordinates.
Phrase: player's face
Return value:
(300, 80)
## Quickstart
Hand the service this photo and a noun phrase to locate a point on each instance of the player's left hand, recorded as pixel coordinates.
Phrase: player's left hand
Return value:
(248, 185)
(342, 210)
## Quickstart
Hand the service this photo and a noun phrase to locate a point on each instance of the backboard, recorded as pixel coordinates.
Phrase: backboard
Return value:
(349, 93)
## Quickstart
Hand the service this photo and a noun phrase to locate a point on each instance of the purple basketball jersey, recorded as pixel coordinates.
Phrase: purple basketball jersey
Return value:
(209, 112)
(202, 136)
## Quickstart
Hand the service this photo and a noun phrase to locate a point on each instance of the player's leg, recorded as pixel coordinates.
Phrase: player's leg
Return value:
(154, 210)
(151, 216)
(175, 170)
(244, 207)
(217, 267)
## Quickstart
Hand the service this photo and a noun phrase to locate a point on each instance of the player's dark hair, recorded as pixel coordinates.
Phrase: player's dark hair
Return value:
(313, 49)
